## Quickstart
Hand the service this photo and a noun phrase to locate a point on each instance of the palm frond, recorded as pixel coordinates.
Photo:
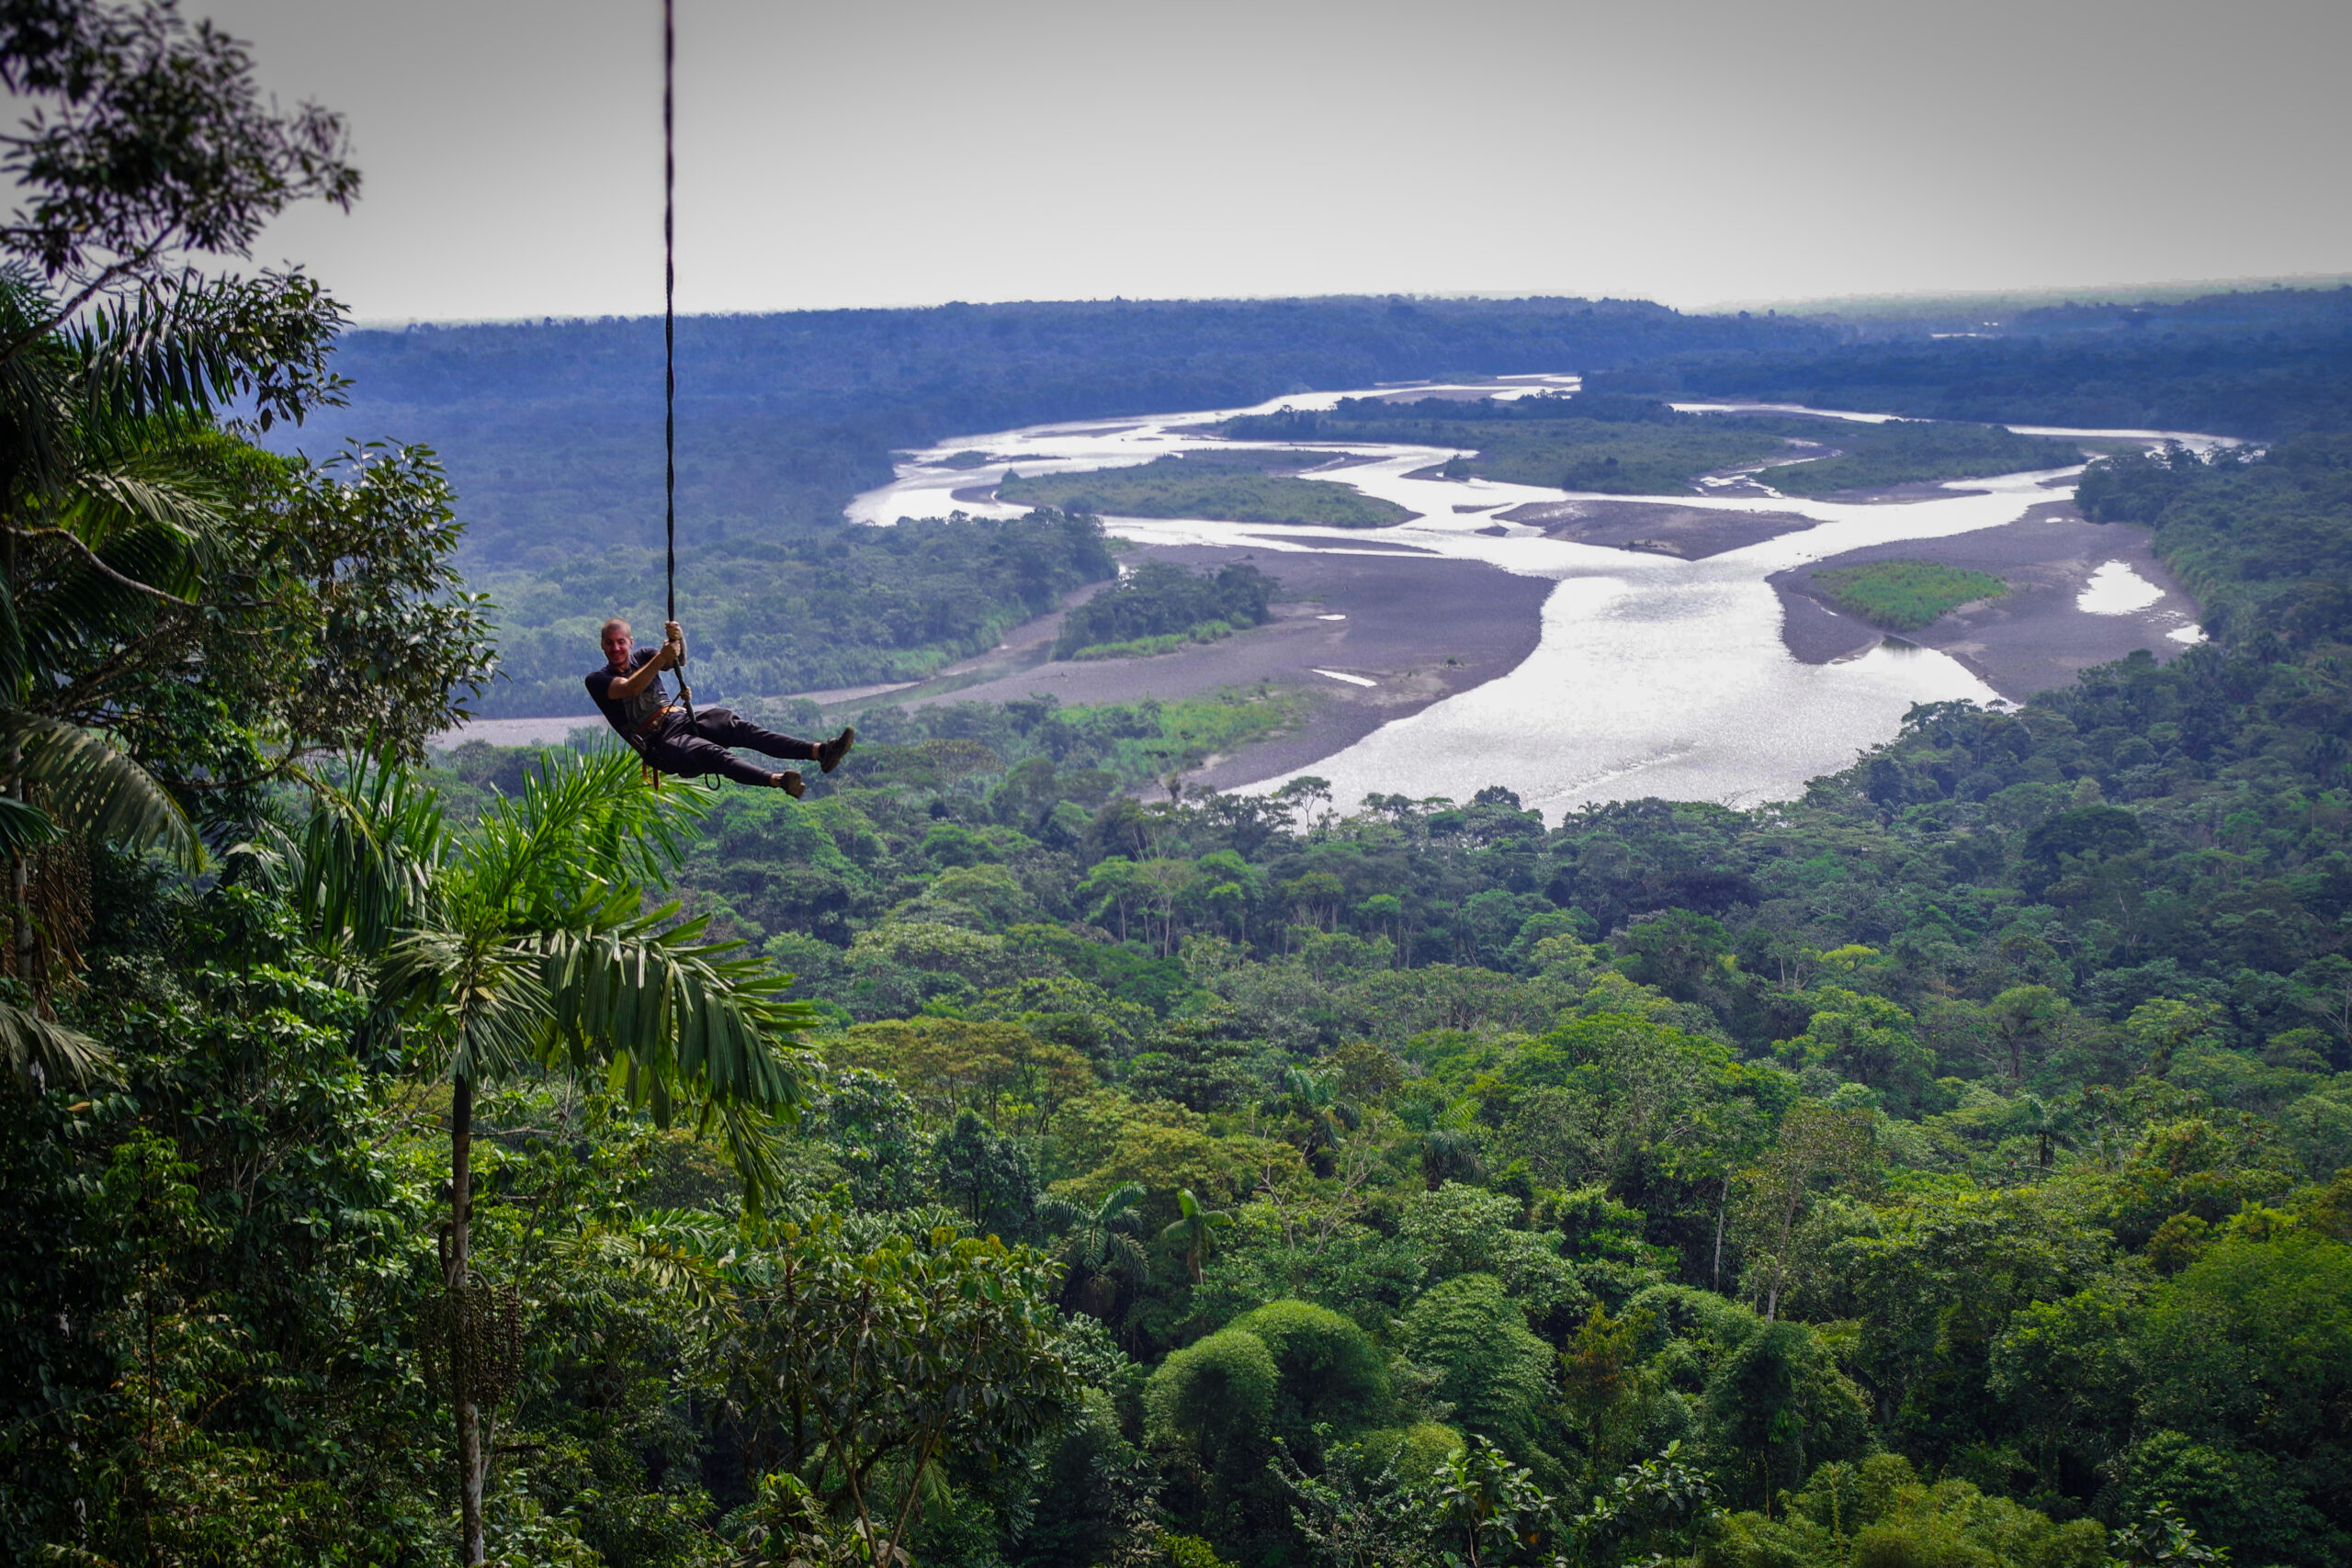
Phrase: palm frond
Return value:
(34, 416)
(755, 1147)
(136, 511)
(519, 944)
(41, 1052)
(96, 599)
(91, 788)
(362, 867)
(481, 1004)
(1195, 1220)
(1118, 1205)
(22, 827)
(144, 494)
(191, 342)
(583, 820)
(149, 351)
(664, 1009)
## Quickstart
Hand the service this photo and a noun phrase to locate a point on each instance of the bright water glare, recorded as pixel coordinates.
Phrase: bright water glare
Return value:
(2116, 589)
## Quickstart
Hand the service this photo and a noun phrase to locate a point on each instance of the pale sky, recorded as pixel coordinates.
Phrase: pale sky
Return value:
(906, 151)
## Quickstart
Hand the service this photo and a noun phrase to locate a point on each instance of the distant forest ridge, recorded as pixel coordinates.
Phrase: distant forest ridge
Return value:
(1907, 313)
(2262, 366)
(552, 432)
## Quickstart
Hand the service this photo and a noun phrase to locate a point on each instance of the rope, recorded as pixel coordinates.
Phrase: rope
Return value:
(670, 334)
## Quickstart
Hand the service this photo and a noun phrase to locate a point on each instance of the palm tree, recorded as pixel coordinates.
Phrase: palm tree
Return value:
(520, 947)
(111, 495)
(1451, 1148)
(2046, 1124)
(1322, 1115)
(1100, 1242)
(1196, 1227)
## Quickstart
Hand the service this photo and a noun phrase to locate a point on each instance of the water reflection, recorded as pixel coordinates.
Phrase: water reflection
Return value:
(2115, 589)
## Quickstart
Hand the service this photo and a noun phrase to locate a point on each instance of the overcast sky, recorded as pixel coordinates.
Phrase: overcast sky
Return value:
(886, 151)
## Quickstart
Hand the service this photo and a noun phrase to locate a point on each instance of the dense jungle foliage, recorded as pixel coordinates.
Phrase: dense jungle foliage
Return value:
(414, 1162)
(1158, 598)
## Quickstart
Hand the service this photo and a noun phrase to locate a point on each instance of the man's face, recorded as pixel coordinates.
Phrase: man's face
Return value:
(617, 647)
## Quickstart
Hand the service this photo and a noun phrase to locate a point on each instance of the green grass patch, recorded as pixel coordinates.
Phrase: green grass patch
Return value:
(1166, 642)
(1216, 489)
(1192, 729)
(1903, 595)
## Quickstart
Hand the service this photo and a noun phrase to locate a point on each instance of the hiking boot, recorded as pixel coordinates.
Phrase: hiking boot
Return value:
(831, 752)
(789, 782)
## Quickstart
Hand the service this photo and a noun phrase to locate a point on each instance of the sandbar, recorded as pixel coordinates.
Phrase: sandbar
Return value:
(1693, 533)
(2031, 638)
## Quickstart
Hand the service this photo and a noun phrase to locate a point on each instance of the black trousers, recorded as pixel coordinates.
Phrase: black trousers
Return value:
(690, 751)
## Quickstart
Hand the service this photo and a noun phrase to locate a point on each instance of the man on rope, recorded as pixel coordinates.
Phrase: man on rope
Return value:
(628, 691)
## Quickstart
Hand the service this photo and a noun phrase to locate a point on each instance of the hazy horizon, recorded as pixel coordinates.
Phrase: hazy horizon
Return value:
(1710, 155)
(2168, 290)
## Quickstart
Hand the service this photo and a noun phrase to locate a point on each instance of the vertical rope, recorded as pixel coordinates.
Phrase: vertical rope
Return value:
(670, 330)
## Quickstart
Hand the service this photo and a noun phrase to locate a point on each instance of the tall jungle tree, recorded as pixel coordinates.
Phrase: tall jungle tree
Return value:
(520, 947)
(152, 564)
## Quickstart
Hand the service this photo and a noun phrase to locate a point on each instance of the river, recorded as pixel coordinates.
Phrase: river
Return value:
(1654, 675)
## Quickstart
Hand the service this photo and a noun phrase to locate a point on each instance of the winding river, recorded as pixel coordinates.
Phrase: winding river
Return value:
(1654, 675)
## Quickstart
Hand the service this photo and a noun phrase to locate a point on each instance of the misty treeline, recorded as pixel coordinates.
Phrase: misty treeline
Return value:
(2259, 364)
(500, 1160)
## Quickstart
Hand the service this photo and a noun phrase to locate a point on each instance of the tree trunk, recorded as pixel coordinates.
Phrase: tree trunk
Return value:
(1722, 1202)
(19, 868)
(461, 1397)
(21, 955)
(1780, 1255)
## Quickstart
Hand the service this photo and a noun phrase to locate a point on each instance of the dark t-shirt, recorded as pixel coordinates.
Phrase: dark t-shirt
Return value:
(627, 715)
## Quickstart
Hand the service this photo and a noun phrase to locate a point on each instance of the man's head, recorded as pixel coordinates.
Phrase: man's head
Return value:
(617, 643)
